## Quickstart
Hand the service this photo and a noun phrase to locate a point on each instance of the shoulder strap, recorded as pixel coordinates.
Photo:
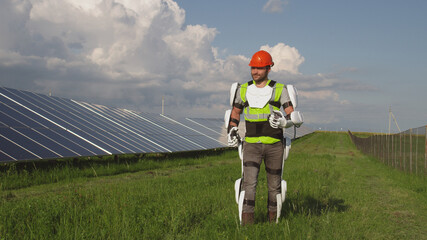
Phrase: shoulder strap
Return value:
(277, 93)
(243, 89)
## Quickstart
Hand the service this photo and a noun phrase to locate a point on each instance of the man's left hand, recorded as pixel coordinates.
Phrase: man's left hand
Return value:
(277, 120)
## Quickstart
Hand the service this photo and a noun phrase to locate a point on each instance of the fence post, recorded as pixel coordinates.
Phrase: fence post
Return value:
(387, 139)
(404, 153)
(374, 142)
(379, 148)
(383, 148)
(416, 152)
(396, 147)
(410, 150)
(392, 152)
(400, 151)
(397, 150)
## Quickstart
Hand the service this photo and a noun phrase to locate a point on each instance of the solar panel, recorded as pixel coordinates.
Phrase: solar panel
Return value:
(36, 126)
(28, 129)
(196, 132)
(210, 126)
(153, 132)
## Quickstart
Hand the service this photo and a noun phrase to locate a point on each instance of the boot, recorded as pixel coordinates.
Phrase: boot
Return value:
(272, 216)
(247, 219)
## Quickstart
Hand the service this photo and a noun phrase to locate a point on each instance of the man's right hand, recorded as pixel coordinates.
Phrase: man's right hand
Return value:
(233, 137)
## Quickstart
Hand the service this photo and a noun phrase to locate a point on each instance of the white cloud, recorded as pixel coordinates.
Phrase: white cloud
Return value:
(275, 6)
(285, 58)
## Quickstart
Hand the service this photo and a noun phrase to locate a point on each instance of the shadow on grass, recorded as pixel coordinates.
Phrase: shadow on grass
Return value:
(306, 206)
(312, 206)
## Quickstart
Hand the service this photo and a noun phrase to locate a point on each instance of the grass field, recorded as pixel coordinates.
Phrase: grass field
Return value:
(334, 192)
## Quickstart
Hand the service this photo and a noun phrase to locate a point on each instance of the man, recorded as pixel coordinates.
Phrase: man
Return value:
(260, 100)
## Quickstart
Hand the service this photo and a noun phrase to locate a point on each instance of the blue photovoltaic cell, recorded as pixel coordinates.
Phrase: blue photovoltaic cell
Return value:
(17, 137)
(74, 143)
(197, 133)
(177, 133)
(133, 144)
(208, 126)
(14, 150)
(4, 157)
(42, 139)
(187, 130)
(99, 136)
(66, 121)
(20, 121)
(125, 125)
(9, 121)
(214, 129)
(21, 116)
(215, 125)
(138, 127)
(107, 133)
(162, 132)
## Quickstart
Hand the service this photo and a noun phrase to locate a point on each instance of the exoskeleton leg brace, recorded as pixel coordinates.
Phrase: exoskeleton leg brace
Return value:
(296, 120)
(238, 190)
(283, 185)
(239, 193)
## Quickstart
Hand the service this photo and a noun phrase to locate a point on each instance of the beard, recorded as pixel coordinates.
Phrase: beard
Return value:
(258, 78)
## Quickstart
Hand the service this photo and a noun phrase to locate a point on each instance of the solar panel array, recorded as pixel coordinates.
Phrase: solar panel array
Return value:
(36, 126)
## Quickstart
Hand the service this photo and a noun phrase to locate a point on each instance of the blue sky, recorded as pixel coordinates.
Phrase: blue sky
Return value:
(380, 44)
(350, 60)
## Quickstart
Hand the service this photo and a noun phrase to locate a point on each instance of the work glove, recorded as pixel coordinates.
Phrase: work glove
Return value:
(233, 137)
(277, 120)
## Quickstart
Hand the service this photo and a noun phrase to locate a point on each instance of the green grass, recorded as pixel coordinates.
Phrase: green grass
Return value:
(25, 174)
(334, 192)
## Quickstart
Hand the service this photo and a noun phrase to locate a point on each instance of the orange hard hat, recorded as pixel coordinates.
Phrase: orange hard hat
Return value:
(261, 59)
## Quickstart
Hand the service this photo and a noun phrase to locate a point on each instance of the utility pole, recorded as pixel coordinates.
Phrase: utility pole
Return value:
(389, 119)
(163, 105)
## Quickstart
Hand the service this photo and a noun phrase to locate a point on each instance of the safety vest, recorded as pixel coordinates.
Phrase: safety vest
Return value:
(258, 128)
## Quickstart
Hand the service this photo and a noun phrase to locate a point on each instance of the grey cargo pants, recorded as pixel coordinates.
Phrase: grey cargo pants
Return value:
(253, 153)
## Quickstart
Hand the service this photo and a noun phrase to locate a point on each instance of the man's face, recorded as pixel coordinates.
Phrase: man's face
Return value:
(259, 74)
